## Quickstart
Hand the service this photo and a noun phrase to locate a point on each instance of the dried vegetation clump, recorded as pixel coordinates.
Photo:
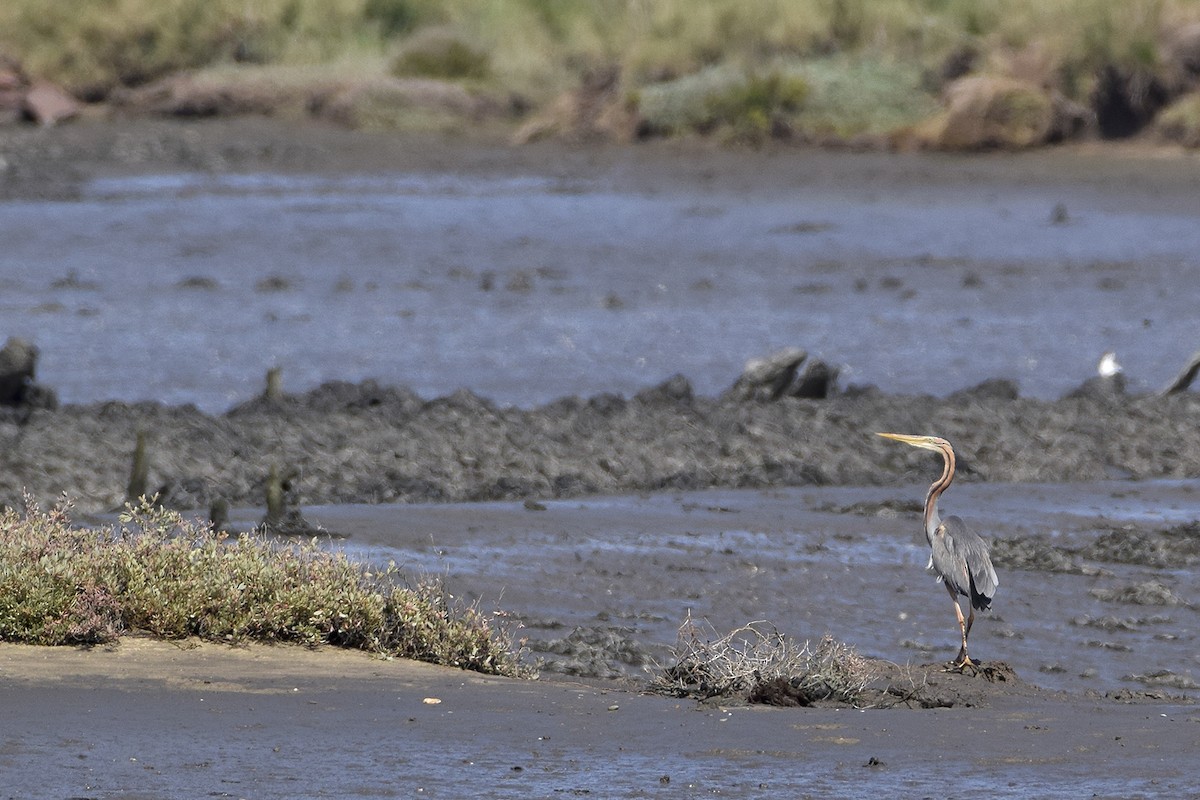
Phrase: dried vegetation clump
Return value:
(160, 574)
(757, 663)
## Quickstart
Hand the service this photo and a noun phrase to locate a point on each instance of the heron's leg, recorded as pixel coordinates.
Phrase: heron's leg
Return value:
(961, 660)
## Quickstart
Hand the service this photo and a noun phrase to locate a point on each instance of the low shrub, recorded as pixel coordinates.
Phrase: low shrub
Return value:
(759, 107)
(837, 96)
(158, 573)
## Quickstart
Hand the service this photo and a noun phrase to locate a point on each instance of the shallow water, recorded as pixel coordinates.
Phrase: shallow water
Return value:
(524, 288)
(341, 741)
(627, 571)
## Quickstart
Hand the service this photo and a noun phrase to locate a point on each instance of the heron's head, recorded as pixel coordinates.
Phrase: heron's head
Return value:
(924, 442)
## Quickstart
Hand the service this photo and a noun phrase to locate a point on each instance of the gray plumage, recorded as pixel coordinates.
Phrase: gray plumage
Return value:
(961, 558)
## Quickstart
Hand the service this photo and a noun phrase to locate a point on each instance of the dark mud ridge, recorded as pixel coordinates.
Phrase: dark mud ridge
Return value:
(365, 443)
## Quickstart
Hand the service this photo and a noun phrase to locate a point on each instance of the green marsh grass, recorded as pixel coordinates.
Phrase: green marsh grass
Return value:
(160, 574)
(834, 96)
(544, 45)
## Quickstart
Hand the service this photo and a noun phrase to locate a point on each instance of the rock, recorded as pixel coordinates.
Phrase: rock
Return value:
(1100, 387)
(996, 112)
(991, 389)
(371, 444)
(18, 363)
(1108, 383)
(47, 104)
(606, 404)
(292, 524)
(43, 397)
(768, 378)
(674, 390)
(818, 382)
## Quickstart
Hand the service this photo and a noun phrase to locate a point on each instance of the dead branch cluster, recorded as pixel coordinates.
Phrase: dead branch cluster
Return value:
(759, 664)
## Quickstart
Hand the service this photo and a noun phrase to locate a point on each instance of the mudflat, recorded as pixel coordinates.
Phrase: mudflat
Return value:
(155, 719)
(600, 519)
(599, 584)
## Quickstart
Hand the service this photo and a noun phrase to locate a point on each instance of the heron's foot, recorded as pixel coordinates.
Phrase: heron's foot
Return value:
(962, 665)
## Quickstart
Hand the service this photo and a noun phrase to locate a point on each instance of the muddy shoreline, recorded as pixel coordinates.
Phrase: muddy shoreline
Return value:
(363, 443)
(56, 163)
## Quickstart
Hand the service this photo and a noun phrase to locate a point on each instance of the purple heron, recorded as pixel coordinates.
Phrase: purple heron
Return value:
(958, 555)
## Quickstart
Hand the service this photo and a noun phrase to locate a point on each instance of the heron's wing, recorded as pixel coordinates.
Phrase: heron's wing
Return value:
(946, 560)
(968, 557)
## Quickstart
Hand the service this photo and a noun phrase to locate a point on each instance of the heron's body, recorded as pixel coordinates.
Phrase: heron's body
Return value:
(958, 555)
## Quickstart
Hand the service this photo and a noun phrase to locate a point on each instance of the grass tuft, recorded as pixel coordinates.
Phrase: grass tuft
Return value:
(161, 574)
(759, 664)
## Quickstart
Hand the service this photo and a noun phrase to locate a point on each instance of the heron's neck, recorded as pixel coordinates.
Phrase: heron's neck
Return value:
(932, 518)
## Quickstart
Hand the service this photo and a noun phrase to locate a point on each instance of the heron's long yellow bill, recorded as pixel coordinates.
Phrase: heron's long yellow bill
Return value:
(902, 437)
(927, 442)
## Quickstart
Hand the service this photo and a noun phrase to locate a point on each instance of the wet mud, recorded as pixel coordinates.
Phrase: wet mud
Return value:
(156, 719)
(600, 521)
(600, 587)
(364, 443)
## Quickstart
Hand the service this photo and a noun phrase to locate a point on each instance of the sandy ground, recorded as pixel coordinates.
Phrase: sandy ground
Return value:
(148, 719)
